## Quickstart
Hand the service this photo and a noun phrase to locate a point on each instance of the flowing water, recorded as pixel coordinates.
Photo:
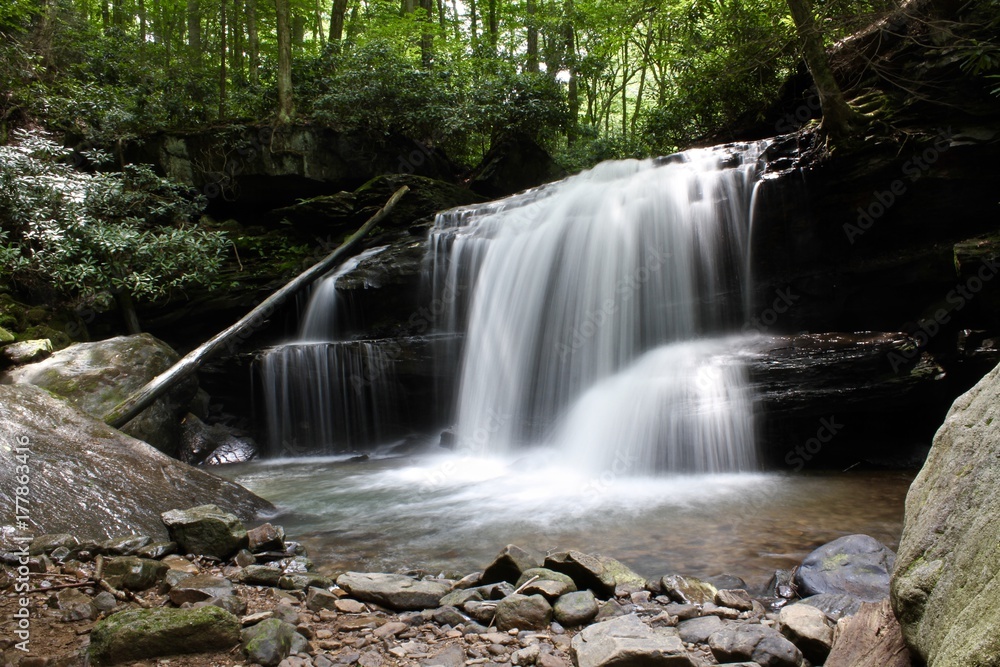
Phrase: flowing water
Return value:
(602, 404)
(452, 513)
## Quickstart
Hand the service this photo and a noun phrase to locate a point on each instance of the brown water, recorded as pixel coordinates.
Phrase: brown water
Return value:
(452, 514)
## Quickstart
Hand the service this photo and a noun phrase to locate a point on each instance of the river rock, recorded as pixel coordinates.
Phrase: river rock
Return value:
(75, 605)
(394, 591)
(807, 628)
(129, 545)
(200, 587)
(835, 606)
(872, 638)
(319, 598)
(206, 530)
(698, 630)
(586, 570)
(98, 376)
(134, 574)
(946, 586)
(496, 591)
(576, 608)
(857, 565)
(626, 641)
(509, 565)
(750, 642)
(266, 538)
(91, 480)
(140, 634)
(259, 575)
(688, 590)
(626, 580)
(523, 612)
(269, 642)
(46, 544)
(734, 599)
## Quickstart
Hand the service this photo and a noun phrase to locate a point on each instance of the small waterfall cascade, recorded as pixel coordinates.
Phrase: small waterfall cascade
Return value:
(323, 393)
(599, 314)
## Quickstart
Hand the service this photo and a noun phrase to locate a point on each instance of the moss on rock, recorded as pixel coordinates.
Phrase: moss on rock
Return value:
(138, 634)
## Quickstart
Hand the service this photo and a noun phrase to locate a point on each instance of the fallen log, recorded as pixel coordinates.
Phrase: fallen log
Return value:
(130, 408)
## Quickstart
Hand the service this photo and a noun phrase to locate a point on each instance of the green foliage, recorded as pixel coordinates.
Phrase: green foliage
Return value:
(84, 234)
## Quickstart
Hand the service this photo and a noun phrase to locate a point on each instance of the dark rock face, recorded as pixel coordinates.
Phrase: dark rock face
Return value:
(513, 165)
(96, 377)
(91, 480)
(264, 168)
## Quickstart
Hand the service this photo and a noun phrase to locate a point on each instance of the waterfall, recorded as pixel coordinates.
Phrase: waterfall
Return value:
(322, 393)
(587, 306)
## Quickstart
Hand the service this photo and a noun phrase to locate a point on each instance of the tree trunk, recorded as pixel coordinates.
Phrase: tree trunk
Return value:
(223, 27)
(142, 23)
(286, 107)
(494, 27)
(126, 306)
(473, 24)
(838, 117)
(298, 31)
(253, 42)
(130, 408)
(573, 91)
(194, 29)
(106, 16)
(337, 14)
(532, 63)
(427, 33)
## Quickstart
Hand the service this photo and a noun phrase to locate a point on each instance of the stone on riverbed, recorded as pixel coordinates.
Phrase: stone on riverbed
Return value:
(757, 643)
(688, 590)
(523, 612)
(806, 627)
(625, 641)
(394, 591)
(509, 565)
(269, 642)
(586, 570)
(857, 565)
(206, 530)
(200, 587)
(134, 574)
(576, 608)
(140, 634)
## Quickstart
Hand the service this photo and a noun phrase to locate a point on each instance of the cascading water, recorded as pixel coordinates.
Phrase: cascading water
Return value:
(562, 290)
(322, 393)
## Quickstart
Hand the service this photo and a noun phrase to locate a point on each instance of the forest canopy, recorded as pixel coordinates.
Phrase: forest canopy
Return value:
(589, 79)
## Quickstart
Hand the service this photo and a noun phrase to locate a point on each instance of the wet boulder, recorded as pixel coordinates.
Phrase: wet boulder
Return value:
(394, 591)
(140, 634)
(98, 376)
(91, 480)
(206, 530)
(857, 565)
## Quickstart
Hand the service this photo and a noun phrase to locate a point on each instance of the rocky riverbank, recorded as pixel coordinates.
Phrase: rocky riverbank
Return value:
(217, 593)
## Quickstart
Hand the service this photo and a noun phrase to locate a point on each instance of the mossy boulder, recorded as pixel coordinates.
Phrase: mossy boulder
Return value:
(139, 634)
(946, 583)
(98, 376)
(206, 530)
(271, 641)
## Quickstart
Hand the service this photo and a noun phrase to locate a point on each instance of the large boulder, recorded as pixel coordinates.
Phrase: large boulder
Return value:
(625, 641)
(139, 634)
(206, 530)
(395, 591)
(857, 565)
(92, 481)
(946, 585)
(96, 377)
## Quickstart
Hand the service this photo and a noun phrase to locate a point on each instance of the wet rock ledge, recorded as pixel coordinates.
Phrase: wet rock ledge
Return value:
(216, 593)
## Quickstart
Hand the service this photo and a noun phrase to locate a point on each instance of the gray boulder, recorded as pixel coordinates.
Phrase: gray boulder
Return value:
(98, 376)
(946, 585)
(269, 642)
(857, 565)
(807, 627)
(698, 630)
(394, 591)
(509, 565)
(93, 481)
(523, 612)
(140, 634)
(626, 641)
(586, 570)
(200, 587)
(206, 530)
(688, 590)
(835, 606)
(757, 643)
(27, 352)
(576, 608)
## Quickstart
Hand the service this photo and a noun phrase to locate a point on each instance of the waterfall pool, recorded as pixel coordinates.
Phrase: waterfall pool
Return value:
(452, 513)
